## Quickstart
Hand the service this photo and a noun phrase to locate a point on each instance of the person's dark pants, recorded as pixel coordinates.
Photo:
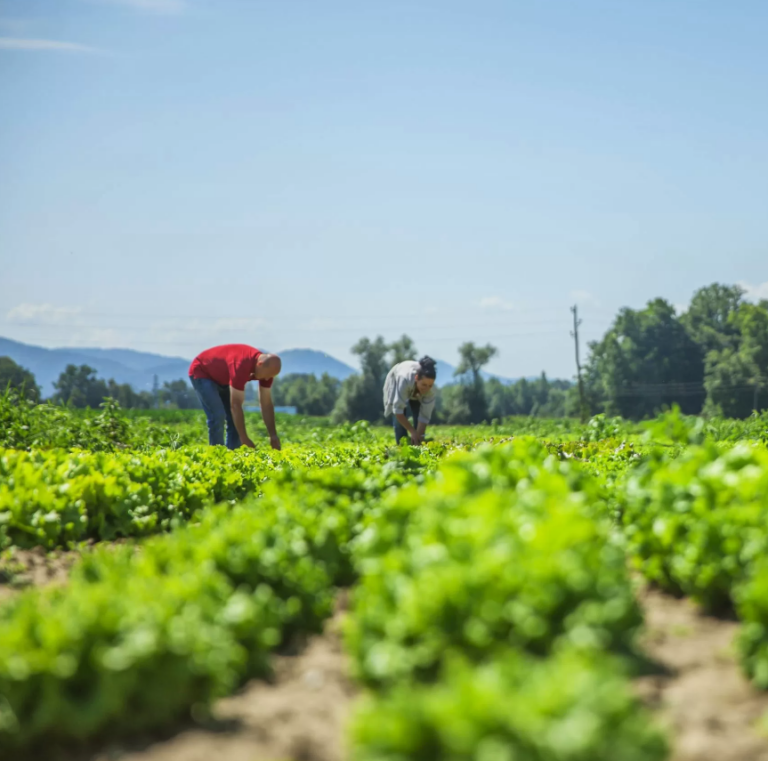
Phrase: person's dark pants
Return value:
(400, 430)
(215, 401)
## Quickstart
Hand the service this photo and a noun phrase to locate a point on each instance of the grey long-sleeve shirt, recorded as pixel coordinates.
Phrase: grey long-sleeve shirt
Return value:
(400, 388)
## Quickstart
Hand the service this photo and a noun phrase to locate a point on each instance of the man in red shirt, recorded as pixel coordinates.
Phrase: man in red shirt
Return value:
(219, 375)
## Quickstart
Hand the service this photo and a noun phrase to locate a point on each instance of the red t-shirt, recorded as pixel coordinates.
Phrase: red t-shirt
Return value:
(228, 365)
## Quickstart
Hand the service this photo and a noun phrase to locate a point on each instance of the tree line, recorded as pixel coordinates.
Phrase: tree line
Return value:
(78, 386)
(711, 359)
(464, 398)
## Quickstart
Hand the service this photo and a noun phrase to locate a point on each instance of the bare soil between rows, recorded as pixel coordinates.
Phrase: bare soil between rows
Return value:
(299, 716)
(709, 709)
(36, 567)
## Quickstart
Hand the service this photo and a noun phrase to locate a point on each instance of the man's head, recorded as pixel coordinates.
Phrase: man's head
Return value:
(267, 366)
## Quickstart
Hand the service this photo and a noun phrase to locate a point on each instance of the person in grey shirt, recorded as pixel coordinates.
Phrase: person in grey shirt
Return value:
(411, 384)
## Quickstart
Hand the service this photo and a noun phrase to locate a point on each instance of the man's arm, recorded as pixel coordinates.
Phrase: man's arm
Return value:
(268, 415)
(236, 399)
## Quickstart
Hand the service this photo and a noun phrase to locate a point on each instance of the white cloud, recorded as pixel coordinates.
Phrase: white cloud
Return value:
(755, 292)
(43, 313)
(164, 7)
(496, 302)
(54, 46)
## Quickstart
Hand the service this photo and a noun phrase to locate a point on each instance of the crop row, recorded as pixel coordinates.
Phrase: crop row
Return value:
(54, 498)
(494, 618)
(142, 634)
(696, 523)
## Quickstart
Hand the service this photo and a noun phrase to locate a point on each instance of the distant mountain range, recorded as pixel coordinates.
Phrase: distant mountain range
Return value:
(139, 368)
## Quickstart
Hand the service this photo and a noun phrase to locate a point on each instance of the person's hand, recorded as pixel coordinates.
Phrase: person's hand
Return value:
(274, 442)
(415, 438)
(248, 443)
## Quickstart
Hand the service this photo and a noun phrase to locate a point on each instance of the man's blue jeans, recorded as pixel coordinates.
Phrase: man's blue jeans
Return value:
(399, 429)
(215, 401)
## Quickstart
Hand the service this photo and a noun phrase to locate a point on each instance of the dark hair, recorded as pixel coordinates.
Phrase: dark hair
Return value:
(427, 368)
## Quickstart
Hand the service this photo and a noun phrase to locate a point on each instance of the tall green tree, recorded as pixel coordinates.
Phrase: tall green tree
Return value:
(126, 397)
(78, 386)
(709, 319)
(730, 384)
(472, 359)
(402, 350)
(308, 393)
(752, 323)
(361, 394)
(19, 378)
(646, 360)
(466, 401)
(523, 395)
(737, 374)
(500, 399)
(177, 394)
(373, 359)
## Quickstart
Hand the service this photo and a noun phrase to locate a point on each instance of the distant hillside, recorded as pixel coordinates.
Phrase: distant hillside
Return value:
(310, 361)
(47, 364)
(139, 368)
(138, 361)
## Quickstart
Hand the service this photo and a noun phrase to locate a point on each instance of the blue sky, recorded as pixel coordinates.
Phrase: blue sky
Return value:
(181, 173)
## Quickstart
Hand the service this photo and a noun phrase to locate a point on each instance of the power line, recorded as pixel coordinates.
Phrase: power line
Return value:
(424, 339)
(281, 325)
(144, 315)
(681, 388)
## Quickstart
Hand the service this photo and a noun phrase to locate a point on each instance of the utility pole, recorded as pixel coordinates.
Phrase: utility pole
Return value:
(575, 334)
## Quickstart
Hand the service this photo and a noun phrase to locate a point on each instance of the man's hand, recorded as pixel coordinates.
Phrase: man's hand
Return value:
(268, 415)
(246, 442)
(415, 438)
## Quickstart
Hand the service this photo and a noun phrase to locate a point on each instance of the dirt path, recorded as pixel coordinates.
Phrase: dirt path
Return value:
(709, 708)
(35, 567)
(299, 717)
(38, 567)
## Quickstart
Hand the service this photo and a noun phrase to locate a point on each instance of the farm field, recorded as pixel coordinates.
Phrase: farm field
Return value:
(531, 589)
